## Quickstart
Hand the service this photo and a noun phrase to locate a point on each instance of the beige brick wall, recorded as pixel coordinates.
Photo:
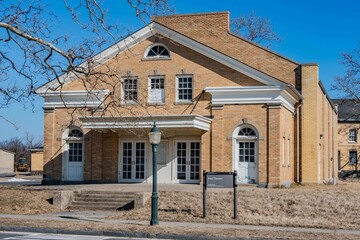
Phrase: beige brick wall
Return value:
(272, 122)
(213, 31)
(345, 146)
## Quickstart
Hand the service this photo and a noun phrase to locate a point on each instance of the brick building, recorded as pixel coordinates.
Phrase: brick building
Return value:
(222, 103)
(348, 134)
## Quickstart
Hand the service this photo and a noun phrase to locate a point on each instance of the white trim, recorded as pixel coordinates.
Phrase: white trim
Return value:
(101, 58)
(177, 100)
(252, 95)
(171, 121)
(65, 152)
(235, 148)
(150, 91)
(155, 28)
(80, 98)
(133, 156)
(188, 167)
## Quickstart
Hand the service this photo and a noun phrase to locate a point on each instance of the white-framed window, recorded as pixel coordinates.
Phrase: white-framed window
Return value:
(352, 135)
(156, 89)
(283, 151)
(157, 51)
(184, 88)
(288, 153)
(129, 90)
(353, 157)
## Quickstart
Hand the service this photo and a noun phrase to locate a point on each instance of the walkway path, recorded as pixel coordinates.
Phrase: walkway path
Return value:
(99, 216)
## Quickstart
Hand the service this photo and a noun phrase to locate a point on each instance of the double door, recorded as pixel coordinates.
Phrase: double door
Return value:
(133, 159)
(188, 161)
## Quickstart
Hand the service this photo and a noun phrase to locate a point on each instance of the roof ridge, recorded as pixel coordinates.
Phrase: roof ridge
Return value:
(191, 14)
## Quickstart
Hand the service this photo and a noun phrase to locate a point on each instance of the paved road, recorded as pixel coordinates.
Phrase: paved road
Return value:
(46, 236)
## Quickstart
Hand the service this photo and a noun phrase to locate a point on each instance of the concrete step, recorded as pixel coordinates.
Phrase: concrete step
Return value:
(107, 196)
(102, 200)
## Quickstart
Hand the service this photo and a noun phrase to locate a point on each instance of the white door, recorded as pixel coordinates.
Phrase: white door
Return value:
(164, 167)
(133, 159)
(247, 162)
(75, 162)
(188, 161)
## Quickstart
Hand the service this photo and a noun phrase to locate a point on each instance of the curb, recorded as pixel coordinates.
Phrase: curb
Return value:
(120, 234)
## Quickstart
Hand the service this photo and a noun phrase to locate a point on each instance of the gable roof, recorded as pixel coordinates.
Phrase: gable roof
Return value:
(225, 57)
(212, 30)
(348, 110)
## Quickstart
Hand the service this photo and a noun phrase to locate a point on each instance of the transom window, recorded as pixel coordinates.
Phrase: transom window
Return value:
(352, 135)
(184, 88)
(130, 91)
(157, 90)
(158, 51)
(76, 133)
(246, 132)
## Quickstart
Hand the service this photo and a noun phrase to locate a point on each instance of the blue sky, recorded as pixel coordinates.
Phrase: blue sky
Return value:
(311, 31)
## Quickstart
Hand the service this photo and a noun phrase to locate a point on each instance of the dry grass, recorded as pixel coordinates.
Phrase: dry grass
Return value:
(70, 225)
(335, 207)
(16, 200)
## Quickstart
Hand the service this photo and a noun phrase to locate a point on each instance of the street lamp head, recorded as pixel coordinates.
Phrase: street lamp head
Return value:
(154, 135)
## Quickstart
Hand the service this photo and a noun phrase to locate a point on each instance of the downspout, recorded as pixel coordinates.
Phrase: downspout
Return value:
(293, 89)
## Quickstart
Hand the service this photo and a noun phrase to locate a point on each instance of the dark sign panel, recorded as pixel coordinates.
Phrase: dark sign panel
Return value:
(219, 180)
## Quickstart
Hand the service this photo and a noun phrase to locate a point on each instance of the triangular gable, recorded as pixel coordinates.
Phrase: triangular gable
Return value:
(156, 28)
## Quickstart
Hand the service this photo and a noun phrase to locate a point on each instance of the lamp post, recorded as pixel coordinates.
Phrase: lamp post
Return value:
(154, 138)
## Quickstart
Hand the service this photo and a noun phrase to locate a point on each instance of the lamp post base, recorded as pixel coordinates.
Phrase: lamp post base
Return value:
(154, 209)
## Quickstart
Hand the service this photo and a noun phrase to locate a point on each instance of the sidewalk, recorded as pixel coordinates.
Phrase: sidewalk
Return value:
(101, 217)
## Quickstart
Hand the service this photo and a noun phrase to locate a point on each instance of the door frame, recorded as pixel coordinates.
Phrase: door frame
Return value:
(235, 148)
(65, 155)
(120, 169)
(256, 157)
(188, 169)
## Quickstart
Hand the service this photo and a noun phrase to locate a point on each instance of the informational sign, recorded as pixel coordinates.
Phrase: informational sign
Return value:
(219, 180)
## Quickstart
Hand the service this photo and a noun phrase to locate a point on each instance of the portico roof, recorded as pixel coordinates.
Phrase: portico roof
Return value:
(162, 121)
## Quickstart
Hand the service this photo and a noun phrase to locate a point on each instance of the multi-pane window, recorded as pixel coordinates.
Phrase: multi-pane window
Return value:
(184, 88)
(130, 91)
(157, 90)
(353, 157)
(158, 51)
(246, 151)
(181, 160)
(75, 152)
(352, 135)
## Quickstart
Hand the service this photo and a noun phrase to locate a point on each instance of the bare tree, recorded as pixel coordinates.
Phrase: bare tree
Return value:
(31, 53)
(348, 85)
(17, 146)
(256, 29)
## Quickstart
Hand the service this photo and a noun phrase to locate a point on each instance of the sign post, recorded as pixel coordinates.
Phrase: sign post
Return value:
(220, 180)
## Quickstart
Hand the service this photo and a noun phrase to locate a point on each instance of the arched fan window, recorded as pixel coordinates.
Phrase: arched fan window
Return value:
(246, 132)
(157, 51)
(76, 133)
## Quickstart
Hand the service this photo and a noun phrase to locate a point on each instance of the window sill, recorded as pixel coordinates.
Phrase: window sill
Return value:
(156, 104)
(184, 103)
